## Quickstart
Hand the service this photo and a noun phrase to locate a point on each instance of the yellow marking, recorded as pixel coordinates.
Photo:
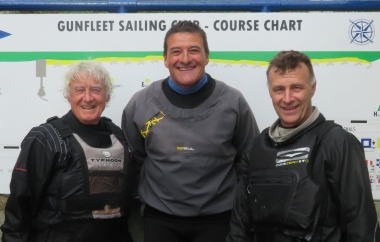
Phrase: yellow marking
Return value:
(150, 123)
(292, 162)
(220, 61)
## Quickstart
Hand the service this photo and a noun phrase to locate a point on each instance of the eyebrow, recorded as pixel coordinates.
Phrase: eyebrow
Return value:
(82, 86)
(190, 47)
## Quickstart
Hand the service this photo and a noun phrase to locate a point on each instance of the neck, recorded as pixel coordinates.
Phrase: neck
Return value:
(189, 90)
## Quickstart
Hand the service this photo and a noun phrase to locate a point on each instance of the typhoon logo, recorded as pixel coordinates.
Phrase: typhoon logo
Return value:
(361, 31)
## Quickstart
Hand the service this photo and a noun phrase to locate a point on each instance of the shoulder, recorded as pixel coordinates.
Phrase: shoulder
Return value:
(110, 124)
(143, 98)
(262, 136)
(227, 89)
(154, 86)
(45, 130)
(337, 133)
(230, 95)
(337, 141)
(145, 95)
(44, 135)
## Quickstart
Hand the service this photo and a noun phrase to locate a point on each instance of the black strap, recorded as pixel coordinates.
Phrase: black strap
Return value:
(324, 128)
(320, 131)
(93, 203)
(63, 129)
(114, 129)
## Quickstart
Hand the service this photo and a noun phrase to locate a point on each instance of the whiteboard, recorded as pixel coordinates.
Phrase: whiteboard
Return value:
(36, 51)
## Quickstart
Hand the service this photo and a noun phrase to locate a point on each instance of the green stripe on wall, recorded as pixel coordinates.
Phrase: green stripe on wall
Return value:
(223, 55)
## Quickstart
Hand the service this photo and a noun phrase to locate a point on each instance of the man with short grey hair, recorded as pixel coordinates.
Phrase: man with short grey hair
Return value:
(307, 178)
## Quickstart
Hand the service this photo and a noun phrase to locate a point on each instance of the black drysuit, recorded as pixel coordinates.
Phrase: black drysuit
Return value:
(330, 202)
(50, 197)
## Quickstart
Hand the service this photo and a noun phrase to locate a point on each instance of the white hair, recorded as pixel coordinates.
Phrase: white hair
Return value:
(91, 69)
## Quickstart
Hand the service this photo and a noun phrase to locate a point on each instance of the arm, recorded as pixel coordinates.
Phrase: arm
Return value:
(348, 177)
(239, 223)
(29, 178)
(131, 132)
(245, 131)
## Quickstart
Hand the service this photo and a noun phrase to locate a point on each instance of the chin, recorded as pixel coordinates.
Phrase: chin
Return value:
(89, 121)
(288, 123)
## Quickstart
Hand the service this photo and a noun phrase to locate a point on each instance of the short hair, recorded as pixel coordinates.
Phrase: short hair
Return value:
(189, 27)
(290, 60)
(91, 69)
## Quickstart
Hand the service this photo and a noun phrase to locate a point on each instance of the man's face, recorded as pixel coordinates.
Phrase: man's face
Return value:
(186, 58)
(291, 95)
(88, 99)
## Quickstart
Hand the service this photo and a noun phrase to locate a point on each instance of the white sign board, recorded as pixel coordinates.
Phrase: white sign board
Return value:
(36, 50)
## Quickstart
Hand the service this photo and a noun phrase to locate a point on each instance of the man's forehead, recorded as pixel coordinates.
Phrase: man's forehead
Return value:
(280, 71)
(180, 37)
(299, 71)
(85, 83)
(180, 46)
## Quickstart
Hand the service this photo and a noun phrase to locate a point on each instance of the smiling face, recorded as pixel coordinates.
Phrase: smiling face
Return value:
(186, 58)
(291, 95)
(87, 98)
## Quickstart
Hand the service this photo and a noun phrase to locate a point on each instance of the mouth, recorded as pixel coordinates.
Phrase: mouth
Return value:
(290, 108)
(185, 68)
(88, 107)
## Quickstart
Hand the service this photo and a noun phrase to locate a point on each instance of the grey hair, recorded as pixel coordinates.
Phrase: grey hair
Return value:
(290, 60)
(90, 69)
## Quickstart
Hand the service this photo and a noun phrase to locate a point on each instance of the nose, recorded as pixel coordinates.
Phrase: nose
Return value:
(185, 57)
(288, 96)
(87, 95)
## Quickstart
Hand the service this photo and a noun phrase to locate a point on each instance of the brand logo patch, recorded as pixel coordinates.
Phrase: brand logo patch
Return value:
(290, 157)
(184, 148)
(112, 160)
(106, 153)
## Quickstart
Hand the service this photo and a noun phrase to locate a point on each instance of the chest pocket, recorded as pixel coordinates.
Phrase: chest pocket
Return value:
(283, 198)
(105, 166)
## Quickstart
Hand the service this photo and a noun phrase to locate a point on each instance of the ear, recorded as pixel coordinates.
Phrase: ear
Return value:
(269, 88)
(207, 59)
(314, 87)
(108, 98)
(166, 61)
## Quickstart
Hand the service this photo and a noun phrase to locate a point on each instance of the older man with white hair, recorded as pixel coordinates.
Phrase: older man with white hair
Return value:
(74, 177)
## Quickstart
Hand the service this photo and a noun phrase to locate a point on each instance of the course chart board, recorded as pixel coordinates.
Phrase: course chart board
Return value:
(37, 50)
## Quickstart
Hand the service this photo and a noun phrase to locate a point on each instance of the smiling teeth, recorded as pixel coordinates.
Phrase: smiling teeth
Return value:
(185, 69)
(87, 107)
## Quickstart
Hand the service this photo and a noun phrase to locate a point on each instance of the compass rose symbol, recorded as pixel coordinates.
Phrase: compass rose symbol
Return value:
(361, 31)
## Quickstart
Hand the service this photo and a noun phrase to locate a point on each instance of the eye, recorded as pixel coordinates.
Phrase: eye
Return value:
(194, 51)
(175, 52)
(78, 90)
(297, 88)
(96, 90)
(278, 89)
